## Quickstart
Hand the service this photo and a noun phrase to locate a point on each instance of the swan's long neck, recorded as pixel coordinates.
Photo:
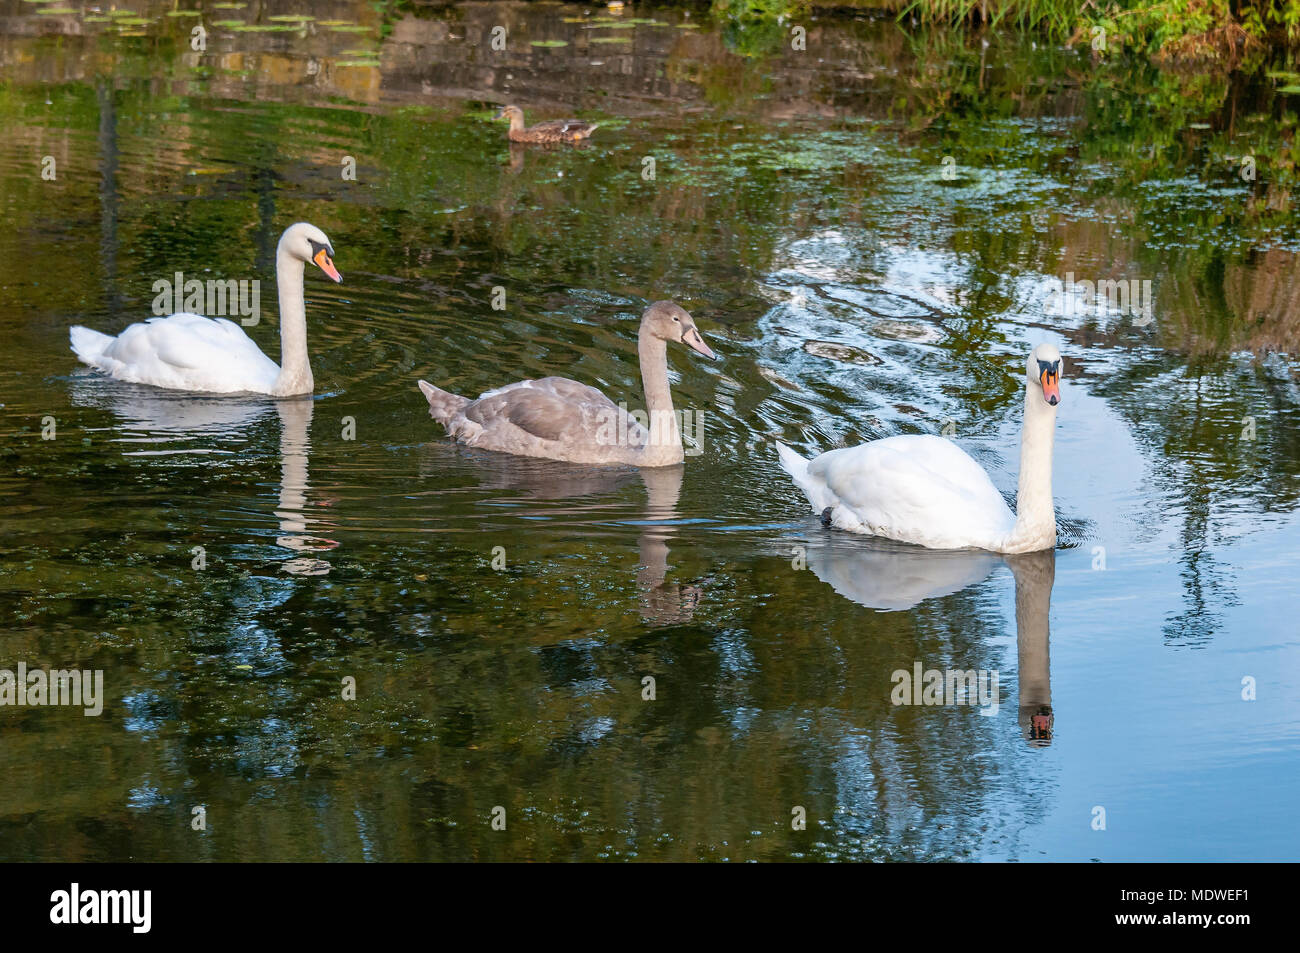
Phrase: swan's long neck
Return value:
(1035, 514)
(295, 368)
(665, 445)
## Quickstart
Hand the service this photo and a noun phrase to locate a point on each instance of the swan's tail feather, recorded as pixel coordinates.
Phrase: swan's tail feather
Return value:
(794, 464)
(87, 344)
(442, 405)
(797, 467)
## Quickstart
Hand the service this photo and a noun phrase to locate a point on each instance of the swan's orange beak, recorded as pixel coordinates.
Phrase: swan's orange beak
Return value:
(323, 262)
(695, 342)
(1051, 382)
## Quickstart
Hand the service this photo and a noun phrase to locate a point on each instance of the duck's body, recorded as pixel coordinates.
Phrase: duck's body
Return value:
(552, 130)
(926, 490)
(561, 419)
(190, 352)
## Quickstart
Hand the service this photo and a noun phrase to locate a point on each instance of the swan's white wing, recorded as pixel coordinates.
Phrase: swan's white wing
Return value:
(919, 489)
(189, 352)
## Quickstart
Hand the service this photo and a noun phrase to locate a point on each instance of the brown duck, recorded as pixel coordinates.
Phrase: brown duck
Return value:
(554, 130)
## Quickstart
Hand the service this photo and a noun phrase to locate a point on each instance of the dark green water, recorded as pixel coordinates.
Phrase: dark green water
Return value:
(800, 210)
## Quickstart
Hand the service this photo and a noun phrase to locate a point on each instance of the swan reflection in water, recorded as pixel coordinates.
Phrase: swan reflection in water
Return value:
(180, 424)
(169, 421)
(1035, 574)
(889, 576)
(295, 447)
(661, 602)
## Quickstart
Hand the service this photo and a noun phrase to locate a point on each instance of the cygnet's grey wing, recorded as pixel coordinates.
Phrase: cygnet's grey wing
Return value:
(566, 389)
(568, 415)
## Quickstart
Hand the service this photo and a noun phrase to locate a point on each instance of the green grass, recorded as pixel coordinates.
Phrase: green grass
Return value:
(1165, 29)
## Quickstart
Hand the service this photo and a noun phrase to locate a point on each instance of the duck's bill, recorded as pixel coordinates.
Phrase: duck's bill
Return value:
(1051, 387)
(323, 262)
(696, 343)
(500, 115)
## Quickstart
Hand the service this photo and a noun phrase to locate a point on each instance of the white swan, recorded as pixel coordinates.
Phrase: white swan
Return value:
(926, 490)
(190, 352)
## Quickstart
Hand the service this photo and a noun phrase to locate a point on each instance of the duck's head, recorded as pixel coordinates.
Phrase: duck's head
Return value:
(512, 113)
(671, 322)
(1043, 370)
(306, 242)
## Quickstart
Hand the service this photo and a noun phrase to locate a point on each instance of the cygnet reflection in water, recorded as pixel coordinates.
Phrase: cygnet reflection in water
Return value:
(662, 602)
